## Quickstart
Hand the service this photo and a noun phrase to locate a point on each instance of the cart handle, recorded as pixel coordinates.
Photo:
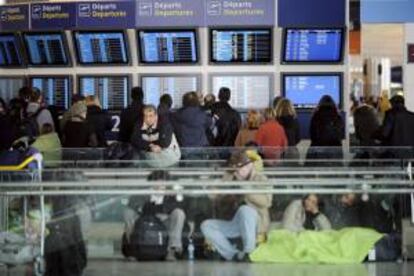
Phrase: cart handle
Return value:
(24, 164)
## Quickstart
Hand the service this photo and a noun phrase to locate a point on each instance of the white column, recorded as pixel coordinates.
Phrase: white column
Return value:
(408, 68)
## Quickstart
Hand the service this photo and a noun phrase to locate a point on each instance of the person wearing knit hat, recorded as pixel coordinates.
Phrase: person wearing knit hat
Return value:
(248, 220)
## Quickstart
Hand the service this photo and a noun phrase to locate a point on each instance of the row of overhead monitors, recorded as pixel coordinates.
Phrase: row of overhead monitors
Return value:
(248, 90)
(173, 46)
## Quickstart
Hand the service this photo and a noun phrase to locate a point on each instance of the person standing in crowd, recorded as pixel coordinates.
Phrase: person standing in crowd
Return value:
(77, 132)
(35, 109)
(98, 119)
(164, 108)
(228, 120)
(326, 130)
(132, 115)
(191, 123)
(67, 115)
(167, 208)
(286, 116)
(7, 134)
(366, 122)
(248, 133)
(305, 214)
(272, 136)
(209, 101)
(48, 143)
(154, 140)
(276, 101)
(250, 214)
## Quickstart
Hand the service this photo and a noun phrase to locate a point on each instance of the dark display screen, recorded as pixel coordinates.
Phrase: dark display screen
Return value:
(57, 90)
(241, 45)
(313, 45)
(101, 47)
(10, 54)
(168, 46)
(46, 49)
(305, 91)
(111, 90)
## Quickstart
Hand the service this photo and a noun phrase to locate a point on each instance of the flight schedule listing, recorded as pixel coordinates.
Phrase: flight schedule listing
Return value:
(57, 90)
(241, 46)
(46, 49)
(306, 91)
(101, 48)
(168, 47)
(313, 45)
(9, 54)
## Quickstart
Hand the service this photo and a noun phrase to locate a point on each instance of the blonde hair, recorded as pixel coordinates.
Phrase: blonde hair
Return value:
(149, 108)
(253, 119)
(284, 108)
(269, 114)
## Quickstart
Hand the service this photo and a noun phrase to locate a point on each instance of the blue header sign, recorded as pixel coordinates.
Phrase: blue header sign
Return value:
(56, 16)
(387, 11)
(314, 13)
(159, 13)
(115, 14)
(240, 12)
(14, 18)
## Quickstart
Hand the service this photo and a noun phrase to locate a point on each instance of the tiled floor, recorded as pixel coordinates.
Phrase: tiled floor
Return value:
(200, 268)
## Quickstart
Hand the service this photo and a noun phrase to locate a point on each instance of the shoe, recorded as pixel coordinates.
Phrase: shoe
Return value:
(171, 255)
(242, 257)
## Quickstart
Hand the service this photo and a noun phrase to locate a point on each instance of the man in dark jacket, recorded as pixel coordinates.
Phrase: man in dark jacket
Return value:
(98, 119)
(168, 208)
(191, 123)
(131, 115)
(228, 122)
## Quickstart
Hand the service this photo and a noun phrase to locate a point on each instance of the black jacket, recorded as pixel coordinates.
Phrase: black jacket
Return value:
(100, 122)
(78, 135)
(366, 125)
(291, 126)
(398, 128)
(228, 124)
(326, 128)
(130, 117)
(191, 125)
(161, 135)
(7, 133)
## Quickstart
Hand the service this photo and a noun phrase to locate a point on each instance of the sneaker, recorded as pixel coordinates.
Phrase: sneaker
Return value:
(242, 257)
(171, 255)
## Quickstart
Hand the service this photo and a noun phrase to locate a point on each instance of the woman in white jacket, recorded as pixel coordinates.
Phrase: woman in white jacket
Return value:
(304, 214)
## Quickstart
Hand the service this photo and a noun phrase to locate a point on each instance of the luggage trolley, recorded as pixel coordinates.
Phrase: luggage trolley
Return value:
(14, 248)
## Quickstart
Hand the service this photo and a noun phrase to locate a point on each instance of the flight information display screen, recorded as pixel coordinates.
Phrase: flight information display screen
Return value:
(313, 45)
(241, 45)
(155, 86)
(305, 91)
(57, 90)
(10, 86)
(247, 91)
(46, 49)
(101, 47)
(10, 54)
(111, 90)
(170, 46)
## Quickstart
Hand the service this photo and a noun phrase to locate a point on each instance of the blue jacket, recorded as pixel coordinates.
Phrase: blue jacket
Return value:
(191, 125)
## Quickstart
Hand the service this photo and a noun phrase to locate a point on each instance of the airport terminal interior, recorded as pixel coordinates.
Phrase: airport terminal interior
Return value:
(206, 137)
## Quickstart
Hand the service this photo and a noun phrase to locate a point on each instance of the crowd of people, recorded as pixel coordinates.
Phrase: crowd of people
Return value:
(156, 134)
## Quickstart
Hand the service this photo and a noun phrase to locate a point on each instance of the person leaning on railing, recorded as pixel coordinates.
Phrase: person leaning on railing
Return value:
(247, 217)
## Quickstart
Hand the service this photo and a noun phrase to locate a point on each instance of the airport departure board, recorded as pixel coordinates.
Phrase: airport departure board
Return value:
(10, 53)
(169, 46)
(247, 91)
(46, 49)
(155, 86)
(313, 45)
(56, 89)
(10, 86)
(111, 90)
(250, 46)
(305, 90)
(94, 48)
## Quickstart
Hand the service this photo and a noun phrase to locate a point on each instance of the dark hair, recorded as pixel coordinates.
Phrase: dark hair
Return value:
(166, 100)
(190, 99)
(397, 101)
(25, 93)
(77, 98)
(36, 94)
(321, 203)
(276, 100)
(327, 101)
(224, 94)
(159, 175)
(137, 94)
(3, 104)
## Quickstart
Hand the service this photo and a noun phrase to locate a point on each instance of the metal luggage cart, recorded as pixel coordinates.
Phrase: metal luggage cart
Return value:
(34, 176)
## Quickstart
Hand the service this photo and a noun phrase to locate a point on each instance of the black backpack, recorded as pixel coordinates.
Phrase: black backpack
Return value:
(29, 125)
(149, 240)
